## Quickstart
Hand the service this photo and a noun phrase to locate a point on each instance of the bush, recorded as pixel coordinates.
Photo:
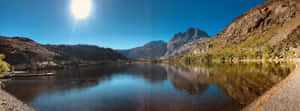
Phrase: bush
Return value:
(4, 67)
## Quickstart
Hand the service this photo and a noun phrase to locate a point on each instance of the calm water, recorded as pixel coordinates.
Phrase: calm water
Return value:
(159, 87)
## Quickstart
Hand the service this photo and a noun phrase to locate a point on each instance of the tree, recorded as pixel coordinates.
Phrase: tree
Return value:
(4, 66)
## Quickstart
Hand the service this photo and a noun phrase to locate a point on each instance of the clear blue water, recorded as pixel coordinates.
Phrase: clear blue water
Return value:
(126, 88)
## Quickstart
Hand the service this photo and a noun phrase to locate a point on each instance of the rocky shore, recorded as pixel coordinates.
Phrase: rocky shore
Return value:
(10, 103)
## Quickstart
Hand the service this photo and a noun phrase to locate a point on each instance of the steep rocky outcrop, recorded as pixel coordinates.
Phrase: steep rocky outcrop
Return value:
(180, 39)
(151, 50)
(186, 48)
(26, 53)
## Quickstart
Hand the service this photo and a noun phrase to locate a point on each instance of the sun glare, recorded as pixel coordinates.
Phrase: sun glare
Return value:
(81, 8)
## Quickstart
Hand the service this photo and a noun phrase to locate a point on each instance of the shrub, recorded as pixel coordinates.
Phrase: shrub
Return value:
(4, 67)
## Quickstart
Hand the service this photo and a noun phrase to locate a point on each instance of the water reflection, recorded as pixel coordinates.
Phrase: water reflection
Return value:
(194, 82)
(150, 87)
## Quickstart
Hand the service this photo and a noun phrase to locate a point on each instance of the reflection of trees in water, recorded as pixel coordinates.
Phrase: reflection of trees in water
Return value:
(244, 82)
(192, 80)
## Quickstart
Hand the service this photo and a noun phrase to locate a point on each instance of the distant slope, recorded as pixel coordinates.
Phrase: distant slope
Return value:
(84, 52)
(23, 51)
(26, 52)
(151, 50)
(180, 43)
(266, 32)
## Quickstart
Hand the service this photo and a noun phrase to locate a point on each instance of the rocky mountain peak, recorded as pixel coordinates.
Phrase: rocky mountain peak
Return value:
(158, 49)
(182, 38)
(189, 35)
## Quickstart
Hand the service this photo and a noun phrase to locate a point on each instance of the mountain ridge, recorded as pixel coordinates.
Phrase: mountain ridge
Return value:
(174, 47)
(26, 53)
(151, 50)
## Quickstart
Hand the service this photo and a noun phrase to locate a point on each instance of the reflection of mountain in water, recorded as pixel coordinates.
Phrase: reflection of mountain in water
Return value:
(194, 81)
(151, 72)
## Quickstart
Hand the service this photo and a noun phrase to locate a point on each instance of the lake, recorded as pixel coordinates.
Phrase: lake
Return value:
(150, 87)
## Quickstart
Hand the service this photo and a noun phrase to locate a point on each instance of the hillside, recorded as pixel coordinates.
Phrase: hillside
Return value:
(25, 53)
(83, 52)
(151, 50)
(268, 31)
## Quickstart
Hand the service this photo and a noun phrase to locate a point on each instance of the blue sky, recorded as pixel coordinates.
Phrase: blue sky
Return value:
(118, 24)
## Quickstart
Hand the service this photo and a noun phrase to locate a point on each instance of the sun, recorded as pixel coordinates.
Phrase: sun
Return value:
(81, 8)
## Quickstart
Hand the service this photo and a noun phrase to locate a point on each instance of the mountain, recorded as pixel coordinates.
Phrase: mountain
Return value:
(84, 52)
(151, 50)
(24, 53)
(180, 39)
(268, 31)
(180, 43)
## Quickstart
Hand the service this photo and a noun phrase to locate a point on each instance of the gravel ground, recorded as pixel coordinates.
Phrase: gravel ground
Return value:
(283, 97)
(10, 103)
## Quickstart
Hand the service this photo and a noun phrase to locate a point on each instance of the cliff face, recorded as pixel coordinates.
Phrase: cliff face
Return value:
(24, 51)
(180, 39)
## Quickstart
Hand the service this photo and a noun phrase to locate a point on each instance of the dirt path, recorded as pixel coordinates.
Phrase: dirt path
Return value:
(283, 97)
(10, 103)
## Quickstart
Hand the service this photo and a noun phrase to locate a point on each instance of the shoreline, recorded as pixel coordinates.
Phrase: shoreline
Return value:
(11, 103)
(272, 100)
